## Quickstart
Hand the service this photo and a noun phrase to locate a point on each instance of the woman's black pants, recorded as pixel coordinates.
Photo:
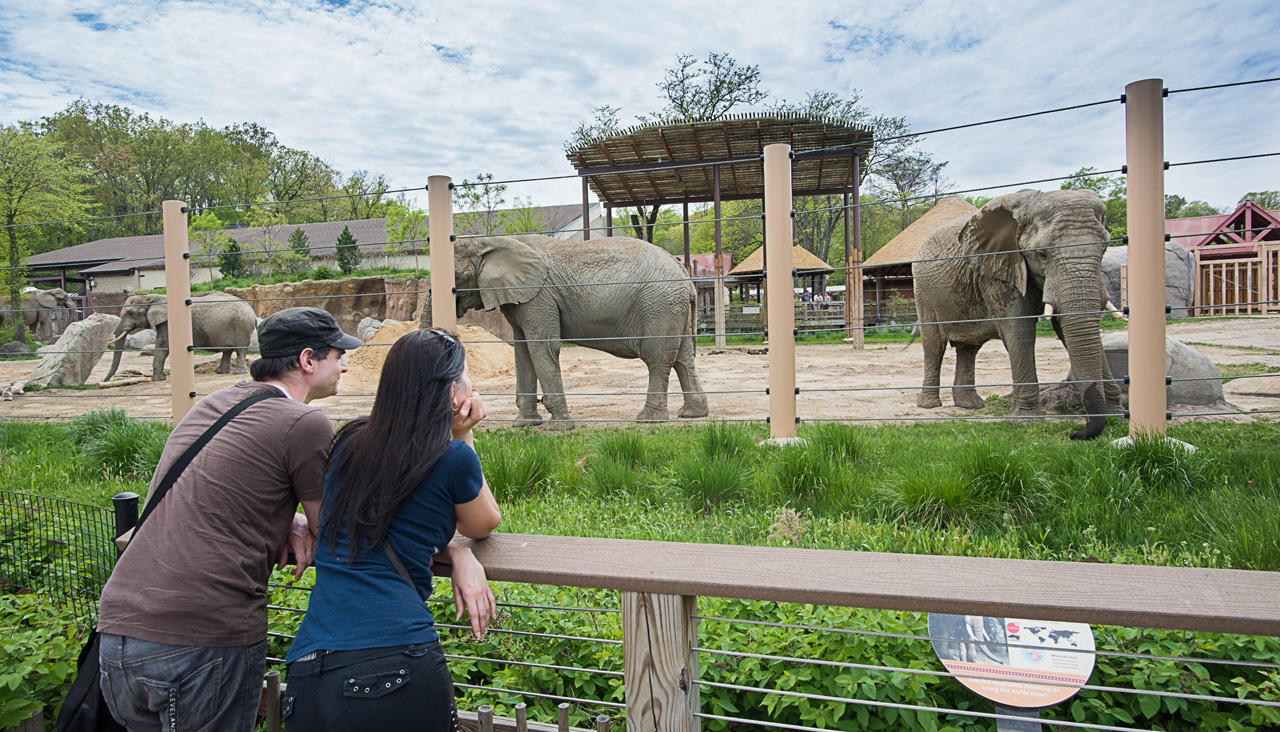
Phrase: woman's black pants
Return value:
(376, 689)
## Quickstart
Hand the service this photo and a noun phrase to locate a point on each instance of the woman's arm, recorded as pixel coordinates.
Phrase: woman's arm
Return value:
(478, 517)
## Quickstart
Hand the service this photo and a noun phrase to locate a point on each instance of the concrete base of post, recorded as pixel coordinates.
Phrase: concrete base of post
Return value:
(784, 442)
(1128, 442)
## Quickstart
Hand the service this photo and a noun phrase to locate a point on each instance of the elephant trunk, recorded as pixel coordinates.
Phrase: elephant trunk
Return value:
(1081, 335)
(116, 344)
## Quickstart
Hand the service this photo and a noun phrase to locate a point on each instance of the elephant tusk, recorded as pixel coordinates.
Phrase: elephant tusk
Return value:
(116, 340)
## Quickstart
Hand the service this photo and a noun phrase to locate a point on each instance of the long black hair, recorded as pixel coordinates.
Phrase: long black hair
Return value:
(381, 458)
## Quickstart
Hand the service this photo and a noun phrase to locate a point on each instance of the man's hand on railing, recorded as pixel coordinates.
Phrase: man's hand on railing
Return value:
(299, 547)
(471, 593)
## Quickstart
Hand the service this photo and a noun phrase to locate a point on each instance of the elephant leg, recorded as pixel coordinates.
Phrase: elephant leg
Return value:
(655, 402)
(242, 361)
(695, 402)
(963, 392)
(526, 383)
(935, 346)
(545, 355)
(224, 364)
(160, 353)
(1019, 337)
(1110, 389)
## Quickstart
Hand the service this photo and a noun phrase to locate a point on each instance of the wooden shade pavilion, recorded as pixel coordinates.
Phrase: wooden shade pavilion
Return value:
(683, 161)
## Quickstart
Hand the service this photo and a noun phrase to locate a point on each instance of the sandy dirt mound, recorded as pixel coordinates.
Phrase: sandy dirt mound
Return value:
(487, 356)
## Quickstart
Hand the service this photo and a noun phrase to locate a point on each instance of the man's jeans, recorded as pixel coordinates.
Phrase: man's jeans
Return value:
(153, 686)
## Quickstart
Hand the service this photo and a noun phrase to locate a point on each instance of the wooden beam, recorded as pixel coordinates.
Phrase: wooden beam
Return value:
(660, 666)
(1215, 600)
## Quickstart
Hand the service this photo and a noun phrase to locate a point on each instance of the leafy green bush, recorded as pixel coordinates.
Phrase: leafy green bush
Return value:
(39, 644)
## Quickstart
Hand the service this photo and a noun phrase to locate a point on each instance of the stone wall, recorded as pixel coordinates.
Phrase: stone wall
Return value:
(349, 301)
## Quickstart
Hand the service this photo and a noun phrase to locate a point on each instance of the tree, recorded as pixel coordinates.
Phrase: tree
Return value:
(1178, 207)
(231, 261)
(524, 218)
(38, 182)
(1269, 200)
(364, 193)
(206, 237)
(478, 202)
(348, 253)
(299, 254)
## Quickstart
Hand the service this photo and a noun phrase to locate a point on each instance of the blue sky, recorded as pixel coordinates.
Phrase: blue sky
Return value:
(413, 89)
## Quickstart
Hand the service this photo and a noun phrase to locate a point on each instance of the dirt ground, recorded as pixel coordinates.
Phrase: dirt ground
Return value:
(735, 379)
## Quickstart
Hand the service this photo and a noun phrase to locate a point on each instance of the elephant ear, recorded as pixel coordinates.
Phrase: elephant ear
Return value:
(514, 268)
(158, 313)
(994, 229)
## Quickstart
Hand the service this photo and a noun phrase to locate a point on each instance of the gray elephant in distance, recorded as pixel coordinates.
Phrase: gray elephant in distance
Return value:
(219, 322)
(539, 283)
(1003, 292)
(37, 308)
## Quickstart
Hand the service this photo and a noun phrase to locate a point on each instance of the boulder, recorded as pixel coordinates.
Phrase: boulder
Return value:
(1179, 276)
(367, 328)
(78, 351)
(144, 338)
(14, 347)
(1181, 362)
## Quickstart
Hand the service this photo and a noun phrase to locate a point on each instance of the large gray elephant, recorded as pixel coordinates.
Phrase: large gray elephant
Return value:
(219, 322)
(1054, 243)
(539, 283)
(37, 308)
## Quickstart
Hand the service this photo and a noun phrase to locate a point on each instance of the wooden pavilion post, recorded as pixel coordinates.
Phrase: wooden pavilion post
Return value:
(688, 266)
(778, 235)
(586, 210)
(719, 264)
(608, 220)
(854, 319)
(177, 288)
(1144, 142)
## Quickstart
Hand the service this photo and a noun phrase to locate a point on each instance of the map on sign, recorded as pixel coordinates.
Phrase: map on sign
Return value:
(1013, 661)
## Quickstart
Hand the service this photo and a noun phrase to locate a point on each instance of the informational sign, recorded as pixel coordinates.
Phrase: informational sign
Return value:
(1014, 662)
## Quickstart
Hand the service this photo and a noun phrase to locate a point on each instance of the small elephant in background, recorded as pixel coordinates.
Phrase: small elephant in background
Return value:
(36, 308)
(219, 322)
(1034, 249)
(543, 287)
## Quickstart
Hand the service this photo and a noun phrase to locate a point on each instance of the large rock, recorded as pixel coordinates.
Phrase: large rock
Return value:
(144, 338)
(1179, 276)
(1180, 362)
(367, 328)
(79, 349)
(14, 347)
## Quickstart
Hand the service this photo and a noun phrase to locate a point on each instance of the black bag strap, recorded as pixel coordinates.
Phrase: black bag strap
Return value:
(179, 465)
(395, 562)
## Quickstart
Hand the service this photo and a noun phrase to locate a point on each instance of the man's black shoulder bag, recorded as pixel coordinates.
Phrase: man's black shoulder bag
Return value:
(84, 709)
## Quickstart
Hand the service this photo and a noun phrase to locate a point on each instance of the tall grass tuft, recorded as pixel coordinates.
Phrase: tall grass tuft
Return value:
(790, 474)
(626, 448)
(935, 497)
(1006, 480)
(1161, 464)
(86, 427)
(128, 449)
(518, 466)
(724, 440)
(709, 482)
(838, 442)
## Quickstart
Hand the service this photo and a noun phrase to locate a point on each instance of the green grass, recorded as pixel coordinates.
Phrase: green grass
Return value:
(998, 490)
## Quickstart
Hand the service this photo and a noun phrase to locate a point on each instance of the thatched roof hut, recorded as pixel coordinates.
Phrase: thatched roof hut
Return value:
(749, 275)
(890, 267)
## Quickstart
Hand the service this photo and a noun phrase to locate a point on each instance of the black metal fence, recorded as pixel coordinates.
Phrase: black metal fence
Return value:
(60, 549)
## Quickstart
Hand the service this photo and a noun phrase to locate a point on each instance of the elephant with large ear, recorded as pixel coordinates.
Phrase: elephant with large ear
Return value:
(541, 285)
(219, 322)
(37, 308)
(1035, 249)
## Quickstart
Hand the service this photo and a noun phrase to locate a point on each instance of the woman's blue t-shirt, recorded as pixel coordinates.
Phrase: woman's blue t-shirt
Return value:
(367, 604)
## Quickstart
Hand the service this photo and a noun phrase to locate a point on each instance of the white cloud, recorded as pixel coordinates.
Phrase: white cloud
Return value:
(413, 89)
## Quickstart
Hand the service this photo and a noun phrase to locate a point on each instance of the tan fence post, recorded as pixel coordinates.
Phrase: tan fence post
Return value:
(1144, 145)
(659, 634)
(444, 313)
(779, 293)
(177, 288)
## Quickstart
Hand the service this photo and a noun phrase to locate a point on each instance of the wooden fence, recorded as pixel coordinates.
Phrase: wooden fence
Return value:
(1238, 286)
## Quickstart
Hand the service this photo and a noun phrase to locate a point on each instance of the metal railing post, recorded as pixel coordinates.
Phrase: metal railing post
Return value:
(444, 313)
(125, 506)
(177, 288)
(659, 633)
(779, 295)
(1144, 145)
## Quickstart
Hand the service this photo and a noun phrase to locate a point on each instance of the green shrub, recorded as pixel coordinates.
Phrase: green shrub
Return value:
(130, 449)
(37, 656)
(322, 272)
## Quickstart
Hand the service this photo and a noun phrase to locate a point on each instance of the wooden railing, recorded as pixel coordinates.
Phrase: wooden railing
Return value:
(659, 584)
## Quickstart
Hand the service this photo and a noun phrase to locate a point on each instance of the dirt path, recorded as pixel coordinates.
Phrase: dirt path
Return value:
(735, 379)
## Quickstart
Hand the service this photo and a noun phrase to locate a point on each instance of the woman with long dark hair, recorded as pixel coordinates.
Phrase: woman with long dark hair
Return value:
(399, 483)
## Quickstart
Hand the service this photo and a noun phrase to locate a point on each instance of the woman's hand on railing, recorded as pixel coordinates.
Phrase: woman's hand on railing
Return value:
(471, 593)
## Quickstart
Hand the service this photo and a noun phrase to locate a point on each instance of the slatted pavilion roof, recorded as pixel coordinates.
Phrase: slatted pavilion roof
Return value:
(672, 161)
